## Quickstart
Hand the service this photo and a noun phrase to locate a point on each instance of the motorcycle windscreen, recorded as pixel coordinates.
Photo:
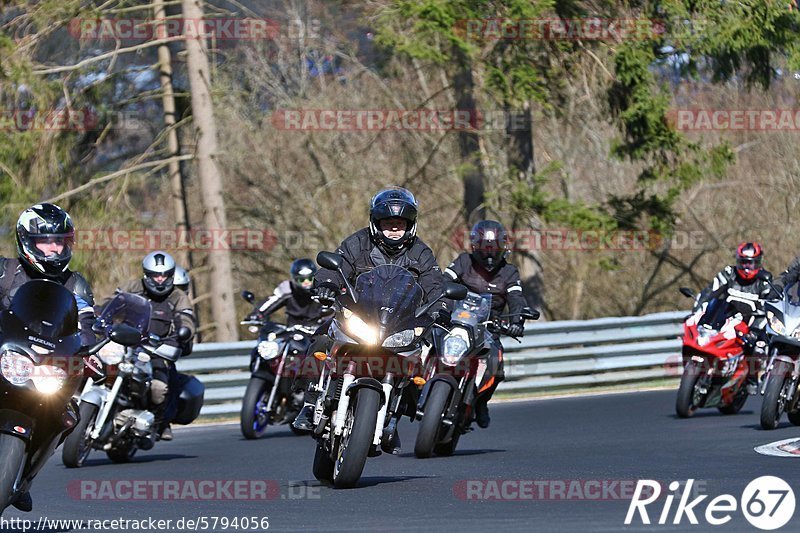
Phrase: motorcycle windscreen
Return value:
(388, 296)
(473, 309)
(126, 308)
(717, 313)
(43, 310)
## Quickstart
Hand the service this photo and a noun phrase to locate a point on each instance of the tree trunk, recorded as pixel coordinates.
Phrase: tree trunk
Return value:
(468, 145)
(222, 306)
(183, 257)
(519, 149)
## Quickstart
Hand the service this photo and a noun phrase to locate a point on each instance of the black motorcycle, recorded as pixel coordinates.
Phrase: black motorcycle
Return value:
(274, 363)
(117, 415)
(457, 374)
(782, 376)
(42, 366)
(371, 369)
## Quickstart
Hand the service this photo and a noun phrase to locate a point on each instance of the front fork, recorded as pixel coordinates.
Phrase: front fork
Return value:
(387, 394)
(107, 406)
(278, 374)
(344, 399)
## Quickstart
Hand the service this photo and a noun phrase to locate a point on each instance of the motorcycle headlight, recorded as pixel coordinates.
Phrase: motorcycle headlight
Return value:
(401, 338)
(268, 349)
(704, 335)
(112, 353)
(775, 323)
(16, 367)
(455, 345)
(359, 328)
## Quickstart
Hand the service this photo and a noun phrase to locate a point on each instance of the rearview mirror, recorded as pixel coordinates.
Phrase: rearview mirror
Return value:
(125, 335)
(249, 296)
(330, 260)
(454, 291)
(184, 334)
(686, 291)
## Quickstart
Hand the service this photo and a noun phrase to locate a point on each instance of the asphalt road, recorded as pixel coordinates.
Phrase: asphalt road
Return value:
(555, 465)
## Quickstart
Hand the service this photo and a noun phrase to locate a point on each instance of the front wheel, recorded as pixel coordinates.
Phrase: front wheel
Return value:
(323, 464)
(255, 418)
(435, 406)
(12, 452)
(774, 403)
(359, 429)
(684, 404)
(794, 417)
(79, 443)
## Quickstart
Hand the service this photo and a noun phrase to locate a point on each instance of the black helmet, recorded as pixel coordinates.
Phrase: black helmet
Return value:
(393, 202)
(158, 264)
(489, 242)
(302, 272)
(44, 224)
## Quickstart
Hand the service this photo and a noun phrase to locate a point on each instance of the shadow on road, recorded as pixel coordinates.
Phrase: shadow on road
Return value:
(458, 453)
(140, 459)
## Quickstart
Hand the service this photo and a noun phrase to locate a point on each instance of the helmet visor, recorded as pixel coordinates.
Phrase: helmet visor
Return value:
(51, 245)
(749, 263)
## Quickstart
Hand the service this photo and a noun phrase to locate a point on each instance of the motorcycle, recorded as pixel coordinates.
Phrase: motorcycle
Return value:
(372, 367)
(274, 364)
(782, 374)
(42, 364)
(456, 377)
(715, 367)
(116, 416)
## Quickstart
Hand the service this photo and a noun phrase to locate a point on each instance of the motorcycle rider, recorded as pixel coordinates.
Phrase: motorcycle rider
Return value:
(746, 285)
(296, 296)
(181, 279)
(485, 270)
(45, 235)
(170, 310)
(390, 239)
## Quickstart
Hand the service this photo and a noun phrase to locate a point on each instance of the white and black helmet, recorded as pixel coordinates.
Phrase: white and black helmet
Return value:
(158, 264)
(181, 279)
(41, 224)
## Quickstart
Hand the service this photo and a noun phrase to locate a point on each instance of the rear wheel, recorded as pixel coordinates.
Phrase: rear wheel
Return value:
(435, 405)
(774, 403)
(794, 417)
(12, 452)
(122, 453)
(78, 444)
(738, 403)
(684, 405)
(359, 430)
(254, 416)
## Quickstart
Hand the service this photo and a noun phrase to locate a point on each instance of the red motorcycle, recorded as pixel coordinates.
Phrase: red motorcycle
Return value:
(714, 364)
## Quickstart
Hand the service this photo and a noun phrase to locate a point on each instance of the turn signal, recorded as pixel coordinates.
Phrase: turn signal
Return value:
(320, 356)
(419, 381)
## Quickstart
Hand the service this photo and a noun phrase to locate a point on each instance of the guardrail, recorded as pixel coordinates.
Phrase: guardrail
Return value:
(552, 355)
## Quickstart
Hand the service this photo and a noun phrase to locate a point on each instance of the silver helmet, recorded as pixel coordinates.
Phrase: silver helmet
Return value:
(181, 279)
(158, 264)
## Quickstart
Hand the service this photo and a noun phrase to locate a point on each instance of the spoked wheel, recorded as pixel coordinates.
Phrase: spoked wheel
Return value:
(359, 429)
(122, 454)
(255, 416)
(78, 444)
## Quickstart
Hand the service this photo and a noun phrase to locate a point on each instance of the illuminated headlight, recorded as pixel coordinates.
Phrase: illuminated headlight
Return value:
(268, 349)
(49, 379)
(730, 365)
(455, 345)
(401, 338)
(112, 353)
(16, 368)
(359, 328)
(776, 325)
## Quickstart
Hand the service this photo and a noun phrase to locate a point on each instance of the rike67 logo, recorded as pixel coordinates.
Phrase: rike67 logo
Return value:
(767, 503)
